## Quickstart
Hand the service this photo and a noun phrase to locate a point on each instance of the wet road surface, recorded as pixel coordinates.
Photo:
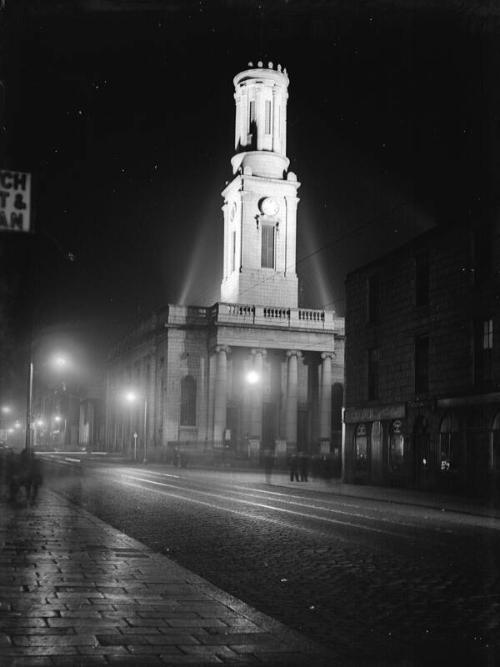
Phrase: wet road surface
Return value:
(376, 582)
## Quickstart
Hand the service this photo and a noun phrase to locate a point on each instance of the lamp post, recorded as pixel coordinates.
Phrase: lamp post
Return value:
(132, 397)
(59, 362)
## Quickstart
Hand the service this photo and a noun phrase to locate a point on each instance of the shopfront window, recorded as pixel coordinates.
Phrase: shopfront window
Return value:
(361, 447)
(449, 440)
(396, 445)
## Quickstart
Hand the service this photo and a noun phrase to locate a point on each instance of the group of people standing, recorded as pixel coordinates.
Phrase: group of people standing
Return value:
(21, 471)
(299, 467)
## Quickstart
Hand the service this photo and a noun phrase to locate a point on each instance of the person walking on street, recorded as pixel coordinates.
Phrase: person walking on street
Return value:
(294, 468)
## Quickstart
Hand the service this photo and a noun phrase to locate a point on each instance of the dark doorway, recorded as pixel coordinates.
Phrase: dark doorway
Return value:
(422, 453)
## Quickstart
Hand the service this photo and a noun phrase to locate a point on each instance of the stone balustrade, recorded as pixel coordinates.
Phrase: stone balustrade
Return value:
(299, 318)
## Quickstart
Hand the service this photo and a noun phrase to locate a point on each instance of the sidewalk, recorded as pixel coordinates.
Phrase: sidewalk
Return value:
(75, 591)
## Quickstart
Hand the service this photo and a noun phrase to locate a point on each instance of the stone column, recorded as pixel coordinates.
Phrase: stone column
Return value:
(259, 118)
(292, 398)
(257, 392)
(220, 402)
(325, 408)
(275, 122)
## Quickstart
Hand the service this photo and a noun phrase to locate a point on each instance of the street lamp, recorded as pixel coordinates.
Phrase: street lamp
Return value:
(252, 377)
(59, 362)
(133, 397)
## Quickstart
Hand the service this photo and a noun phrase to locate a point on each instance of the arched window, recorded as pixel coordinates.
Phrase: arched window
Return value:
(361, 447)
(449, 441)
(188, 401)
(396, 445)
(495, 443)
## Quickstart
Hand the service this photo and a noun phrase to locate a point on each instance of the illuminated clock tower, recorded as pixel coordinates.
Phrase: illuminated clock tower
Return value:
(260, 203)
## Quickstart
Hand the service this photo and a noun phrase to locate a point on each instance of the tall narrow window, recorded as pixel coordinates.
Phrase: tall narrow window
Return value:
(267, 250)
(188, 401)
(373, 378)
(422, 278)
(422, 365)
(268, 117)
(373, 298)
(251, 118)
(233, 251)
(483, 351)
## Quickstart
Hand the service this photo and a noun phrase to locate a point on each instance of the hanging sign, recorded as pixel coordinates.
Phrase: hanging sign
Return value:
(15, 201)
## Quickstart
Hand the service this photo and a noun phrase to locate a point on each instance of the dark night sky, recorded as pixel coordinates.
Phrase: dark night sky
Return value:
(123, 110)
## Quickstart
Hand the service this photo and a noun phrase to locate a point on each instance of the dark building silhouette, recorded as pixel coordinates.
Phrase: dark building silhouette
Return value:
(422, 359)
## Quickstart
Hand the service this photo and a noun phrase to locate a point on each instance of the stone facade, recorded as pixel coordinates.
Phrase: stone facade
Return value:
(253, 372)
(422, 404)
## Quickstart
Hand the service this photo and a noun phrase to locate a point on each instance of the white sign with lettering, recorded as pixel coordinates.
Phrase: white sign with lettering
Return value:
(15, 201)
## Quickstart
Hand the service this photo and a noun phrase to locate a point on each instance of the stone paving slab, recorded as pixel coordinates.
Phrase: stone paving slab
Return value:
(75, 591)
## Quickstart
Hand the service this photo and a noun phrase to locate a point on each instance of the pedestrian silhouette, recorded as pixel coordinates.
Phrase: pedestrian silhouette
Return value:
(30, 475)
(303, 466)
(294, 468)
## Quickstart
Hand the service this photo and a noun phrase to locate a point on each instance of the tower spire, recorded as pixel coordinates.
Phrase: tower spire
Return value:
(260, 204)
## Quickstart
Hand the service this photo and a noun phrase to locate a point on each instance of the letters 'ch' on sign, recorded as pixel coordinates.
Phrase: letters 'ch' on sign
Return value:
(15, 201)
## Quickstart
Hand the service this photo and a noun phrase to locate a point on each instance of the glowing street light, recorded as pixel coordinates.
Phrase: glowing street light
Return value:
(59, 362)
(6, 409)
(252, 377)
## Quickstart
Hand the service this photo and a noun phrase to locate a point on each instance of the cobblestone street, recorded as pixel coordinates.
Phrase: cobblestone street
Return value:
(375, 582)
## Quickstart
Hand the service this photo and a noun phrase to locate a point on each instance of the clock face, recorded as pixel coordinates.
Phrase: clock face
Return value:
(270, 206)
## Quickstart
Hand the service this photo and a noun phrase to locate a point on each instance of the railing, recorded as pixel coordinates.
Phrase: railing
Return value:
(300, 318)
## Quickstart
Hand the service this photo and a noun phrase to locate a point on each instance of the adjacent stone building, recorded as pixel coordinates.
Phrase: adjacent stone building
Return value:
(254, 371)
(422, 402)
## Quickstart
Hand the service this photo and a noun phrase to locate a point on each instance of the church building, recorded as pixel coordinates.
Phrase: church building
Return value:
(255, 371)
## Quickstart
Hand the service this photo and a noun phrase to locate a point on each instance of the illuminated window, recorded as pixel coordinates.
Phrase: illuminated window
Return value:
(268, 117)
(188, 401)
(267, 249)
